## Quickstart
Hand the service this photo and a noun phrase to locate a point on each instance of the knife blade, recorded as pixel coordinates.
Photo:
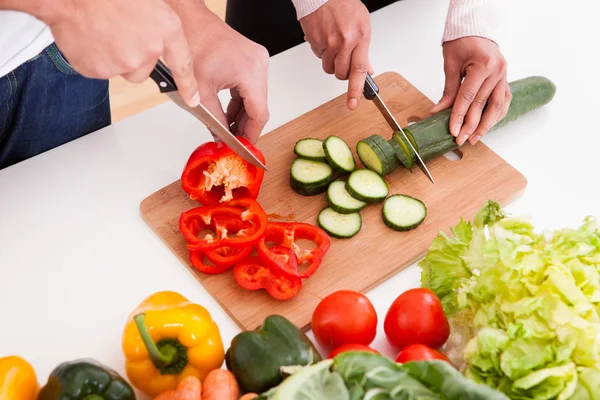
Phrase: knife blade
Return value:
(163, 78)
(371, 92)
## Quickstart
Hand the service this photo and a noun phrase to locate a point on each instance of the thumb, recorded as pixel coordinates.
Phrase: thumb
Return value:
(451, 87)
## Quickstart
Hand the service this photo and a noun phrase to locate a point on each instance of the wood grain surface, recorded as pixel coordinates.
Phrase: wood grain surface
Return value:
(376, 253)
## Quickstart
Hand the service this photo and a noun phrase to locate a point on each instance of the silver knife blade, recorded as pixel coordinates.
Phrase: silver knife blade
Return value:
(217, 128)
(389, 117)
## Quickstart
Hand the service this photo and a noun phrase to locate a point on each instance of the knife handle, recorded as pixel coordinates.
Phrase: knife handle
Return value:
(161, 74)
(371, 89)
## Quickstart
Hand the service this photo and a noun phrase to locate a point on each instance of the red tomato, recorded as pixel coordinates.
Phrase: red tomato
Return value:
(416, 316)
(350, 347)
(419, 352)
(344, 317)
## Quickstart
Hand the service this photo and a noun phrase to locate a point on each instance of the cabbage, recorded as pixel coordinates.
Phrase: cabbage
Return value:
(526, 305)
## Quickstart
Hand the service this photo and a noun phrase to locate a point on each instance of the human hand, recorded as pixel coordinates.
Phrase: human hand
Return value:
(339, 33)
(103, 39)
(224, 59)
(480, 100)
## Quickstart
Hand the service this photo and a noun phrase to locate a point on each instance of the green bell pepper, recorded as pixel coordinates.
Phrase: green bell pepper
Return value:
(85, 379)
(256, 357)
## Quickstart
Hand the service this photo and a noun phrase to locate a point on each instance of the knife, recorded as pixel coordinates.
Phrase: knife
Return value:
(371, 92)
(163, 78)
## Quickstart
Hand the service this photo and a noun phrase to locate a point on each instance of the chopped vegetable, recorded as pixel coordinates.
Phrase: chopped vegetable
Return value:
(344, 317)
(339, 155)
(310, 149)
(18, 380)
(366, 185)
(216, 174)
(256, 357)
(526, 305)
(403, 213)
(419, 352)
(376, 154)
(341, 226)
(340, 200)
(309, 178)
(84, 379)
(252, 274)
(162, 343)
(220, 384)
(402, 150)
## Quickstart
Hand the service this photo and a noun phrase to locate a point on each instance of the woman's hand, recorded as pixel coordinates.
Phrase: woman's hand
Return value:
(480, 100)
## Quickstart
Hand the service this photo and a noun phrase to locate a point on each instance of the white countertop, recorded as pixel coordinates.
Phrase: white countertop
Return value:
(76, 256)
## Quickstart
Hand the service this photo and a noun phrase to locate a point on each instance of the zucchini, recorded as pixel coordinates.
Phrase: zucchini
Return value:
(403, 213)
(309, 178)
(432, 135)
(338, 154)
(310, 149)
(402, 151)
(376, 157)
(341, 226)
(340, 200)
(366, 185)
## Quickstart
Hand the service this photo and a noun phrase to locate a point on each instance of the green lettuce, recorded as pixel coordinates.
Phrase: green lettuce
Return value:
(524, 307)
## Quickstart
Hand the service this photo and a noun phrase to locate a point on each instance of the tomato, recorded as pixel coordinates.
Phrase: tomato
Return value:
(351, 347)
(416, 316)
(344, 317)
(419, 352)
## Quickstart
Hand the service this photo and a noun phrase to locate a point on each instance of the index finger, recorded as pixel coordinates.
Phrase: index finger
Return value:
(179, 59)
(359, 66)
(257, 110)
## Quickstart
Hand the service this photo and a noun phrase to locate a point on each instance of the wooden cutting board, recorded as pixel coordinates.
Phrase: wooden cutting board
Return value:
(376, 253)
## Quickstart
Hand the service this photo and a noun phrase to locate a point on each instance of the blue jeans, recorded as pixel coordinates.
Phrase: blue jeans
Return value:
(45, 103)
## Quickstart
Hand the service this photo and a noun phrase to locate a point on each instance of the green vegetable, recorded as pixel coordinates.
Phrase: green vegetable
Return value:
(367, 186)
(309, 178)
(360, 375)
(402, 212)
(377, 154)
(339, 155)
(341, 226)
(310, 149)
(402, 150)
(340, 200)
(256, 357)
(527, 305)
(85, 379)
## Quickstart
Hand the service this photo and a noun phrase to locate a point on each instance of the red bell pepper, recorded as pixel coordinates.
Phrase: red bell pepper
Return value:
(239, 224)
(198, 260)
(285, 234)
(252, 274)
(215, 174)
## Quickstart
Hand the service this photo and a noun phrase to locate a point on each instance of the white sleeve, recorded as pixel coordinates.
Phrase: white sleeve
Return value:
(305, 7)
(471, 18)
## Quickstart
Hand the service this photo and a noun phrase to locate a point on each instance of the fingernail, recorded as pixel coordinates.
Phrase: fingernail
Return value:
(196, 99)
(352, 103)
(474, 139)
(455, 130)
(461, 139)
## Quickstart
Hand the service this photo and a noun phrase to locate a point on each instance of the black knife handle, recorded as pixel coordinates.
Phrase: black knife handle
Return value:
(371, 89)
(161, 74)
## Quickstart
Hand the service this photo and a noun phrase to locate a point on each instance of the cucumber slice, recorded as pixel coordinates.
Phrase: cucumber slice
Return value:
(374, 157)
(366, 185)
(341, 226)
(309, 178)
(391, 161)
(340, 200)
(403, 153)
(403, 213)
(310, 149)
(339, 154)
(308, 190)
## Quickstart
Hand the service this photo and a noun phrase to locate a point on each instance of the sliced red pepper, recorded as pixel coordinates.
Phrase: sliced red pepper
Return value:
(252, 274)
(197, 258)
(215, 174)
(286, 234)
(244, 218)
(228, 256)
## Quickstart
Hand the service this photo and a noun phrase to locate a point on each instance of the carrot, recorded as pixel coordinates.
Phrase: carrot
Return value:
(168, 395)
(220, 384)
(249, 396)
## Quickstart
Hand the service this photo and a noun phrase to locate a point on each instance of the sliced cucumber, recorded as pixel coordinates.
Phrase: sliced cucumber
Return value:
(366, 185)
(309, 178)
(403, 213)
(339, 154)
(374, 157)
(310, 149)
(403, 153)
(340, 200)
(341, 226)
(391, 161)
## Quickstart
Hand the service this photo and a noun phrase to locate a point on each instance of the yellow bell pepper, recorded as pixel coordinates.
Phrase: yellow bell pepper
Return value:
(167, 338)
(17, 379)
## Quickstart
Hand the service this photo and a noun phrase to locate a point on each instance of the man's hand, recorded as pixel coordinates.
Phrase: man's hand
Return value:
(339, 33)
(102, 39)
(224, 59)
(480, 63)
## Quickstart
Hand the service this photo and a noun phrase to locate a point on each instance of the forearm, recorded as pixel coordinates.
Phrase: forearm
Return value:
(471, 18)
(305, 7)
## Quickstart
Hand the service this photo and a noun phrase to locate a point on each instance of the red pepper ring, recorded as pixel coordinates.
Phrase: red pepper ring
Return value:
(228, 256)
(252, 274)
(224, 220)
(285, 234)
(197, 259)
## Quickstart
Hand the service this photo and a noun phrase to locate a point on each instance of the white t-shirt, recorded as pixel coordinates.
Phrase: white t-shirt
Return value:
(22, 37)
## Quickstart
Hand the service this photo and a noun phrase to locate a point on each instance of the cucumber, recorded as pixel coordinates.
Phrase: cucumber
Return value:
(376, 158)
(341, 226)
(366, 185)
(402, 151)
(339, 154)
(340, 200)
(310, 149)
(403, 213)
(309, 178)
(432, 135)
